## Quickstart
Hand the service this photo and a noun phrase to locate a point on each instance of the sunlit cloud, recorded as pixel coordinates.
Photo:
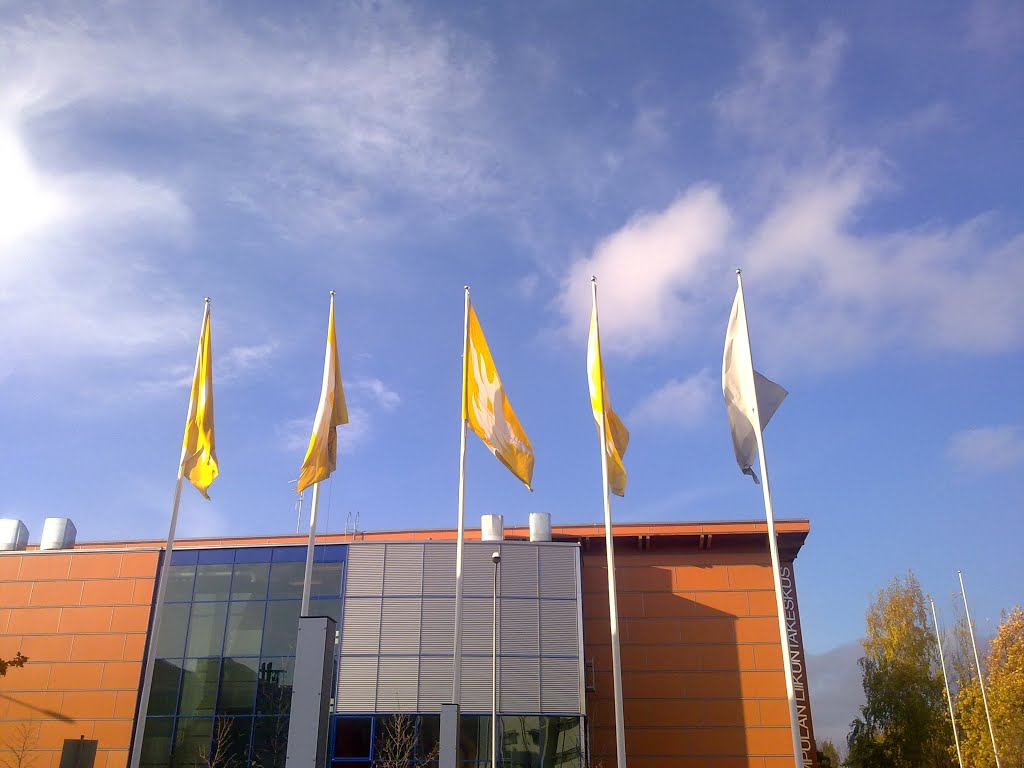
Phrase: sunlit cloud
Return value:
(987, 449)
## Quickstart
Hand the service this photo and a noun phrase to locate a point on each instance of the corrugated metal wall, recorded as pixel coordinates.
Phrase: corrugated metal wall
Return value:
(397, 630)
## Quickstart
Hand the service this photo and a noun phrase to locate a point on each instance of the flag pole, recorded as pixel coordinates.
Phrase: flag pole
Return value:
(161, 587)
(773, 547)
(609, 544)
(460, 540)
(945, 682)
(977, 662)
(307, 578)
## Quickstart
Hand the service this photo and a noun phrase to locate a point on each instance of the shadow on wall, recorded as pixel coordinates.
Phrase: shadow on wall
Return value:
(701, 659)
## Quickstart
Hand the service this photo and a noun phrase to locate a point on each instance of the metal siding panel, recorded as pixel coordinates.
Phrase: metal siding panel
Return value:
(365, 575)
(397, 683)
(476, 626)
(557, 570)
(439, 569)
(360, 625)
(519, 684)
(476, 684)
(477, 569)
(400, 625)
(403, 569)
(558, 628)
(520, 627)
(357, 684)
(560, 686)
(435, 682)
(437, 629)
(518, 572)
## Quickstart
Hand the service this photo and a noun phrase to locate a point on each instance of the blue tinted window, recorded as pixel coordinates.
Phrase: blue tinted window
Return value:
(184, 557)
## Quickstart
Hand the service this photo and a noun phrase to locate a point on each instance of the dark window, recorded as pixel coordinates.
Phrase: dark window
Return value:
(244, 628)
(352, 737)
(156, 743)
(286, 580)
(270, 742)
(249, 581)
(281, 628)
(274, 692)
(180, 579)
(173, 627)
(474, 737)
(428, 737)
(213, 582)
(325, 580)
(192, 740)
(237, 687)
(163, 699)
(199, 686)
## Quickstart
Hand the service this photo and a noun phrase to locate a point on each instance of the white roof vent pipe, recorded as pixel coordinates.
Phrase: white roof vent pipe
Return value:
(13, 535)
(540, 526)
(492, 528)
(58, 533)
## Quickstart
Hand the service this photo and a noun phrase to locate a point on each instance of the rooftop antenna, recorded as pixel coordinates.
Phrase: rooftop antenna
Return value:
(298, 505)
(352, 522)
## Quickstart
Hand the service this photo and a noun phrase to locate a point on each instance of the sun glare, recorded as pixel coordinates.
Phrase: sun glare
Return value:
(27, 201)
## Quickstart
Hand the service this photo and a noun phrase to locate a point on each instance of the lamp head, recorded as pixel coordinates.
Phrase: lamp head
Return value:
(495, 557)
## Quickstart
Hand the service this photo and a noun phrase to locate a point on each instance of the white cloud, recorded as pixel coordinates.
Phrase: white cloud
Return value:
(646, 273)
(679, 403)
(988, 449)
(240, 360)
(384, 397)
(995, 26)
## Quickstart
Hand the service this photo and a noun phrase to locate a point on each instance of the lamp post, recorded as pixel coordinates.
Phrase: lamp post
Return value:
(496, 559)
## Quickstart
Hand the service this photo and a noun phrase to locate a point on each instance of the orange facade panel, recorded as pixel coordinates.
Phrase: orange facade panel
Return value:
(82, 619)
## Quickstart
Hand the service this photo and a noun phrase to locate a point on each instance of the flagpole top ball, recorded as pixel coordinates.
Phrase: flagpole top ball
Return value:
(332, 294)
(593, 278)
(207, 299)
(739, 271)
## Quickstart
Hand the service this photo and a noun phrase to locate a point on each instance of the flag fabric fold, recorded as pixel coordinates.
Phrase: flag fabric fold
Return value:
(198, 451)
(486, 408)
(322, 454)
(746, 391)
(616, 434)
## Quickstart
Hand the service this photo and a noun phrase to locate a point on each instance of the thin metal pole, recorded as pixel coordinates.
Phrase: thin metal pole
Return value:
(307, 578)
(460, 540)
(609, 543)
(945, 682)
(977, 662)
(494, 666)
(773, 546)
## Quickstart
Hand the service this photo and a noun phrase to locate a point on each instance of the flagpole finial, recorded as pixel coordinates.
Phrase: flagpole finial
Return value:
(466, 288)
(593, 278)
(332, 294)
(739, 271)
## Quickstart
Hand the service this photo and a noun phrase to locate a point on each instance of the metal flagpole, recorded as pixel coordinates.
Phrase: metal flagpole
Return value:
(307, 579)
(773, 546)
(496, 559)
(460, 541)
(977, 662)
(161, 590)
(945, 681)
(609, 543)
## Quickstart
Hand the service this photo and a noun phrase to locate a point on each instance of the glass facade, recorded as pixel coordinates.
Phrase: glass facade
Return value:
(527, 741)
(222, 680)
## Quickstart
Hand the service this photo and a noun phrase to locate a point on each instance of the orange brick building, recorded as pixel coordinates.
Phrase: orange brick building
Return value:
(702, 666)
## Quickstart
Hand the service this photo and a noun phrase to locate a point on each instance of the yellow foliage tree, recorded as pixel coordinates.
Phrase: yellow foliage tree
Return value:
(1004, 685)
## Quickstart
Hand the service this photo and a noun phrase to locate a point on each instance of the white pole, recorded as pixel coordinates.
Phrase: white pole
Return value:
(945, 681)
(460, 541)
(161, 589)
(496, 557)
(977, 662)
(609, 543)
(307, 579)
(773, 547)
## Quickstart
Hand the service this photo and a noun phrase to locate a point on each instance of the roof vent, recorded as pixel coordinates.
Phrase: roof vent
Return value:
(540, 526)
(58, 533)
(13, 535)
(492, 528)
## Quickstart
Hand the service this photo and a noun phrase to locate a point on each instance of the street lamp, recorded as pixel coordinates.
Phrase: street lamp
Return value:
(496, 559)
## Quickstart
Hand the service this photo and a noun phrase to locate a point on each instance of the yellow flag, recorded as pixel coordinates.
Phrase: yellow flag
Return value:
(616, 434)
(488, 411)
(322, 455)
(198, 452)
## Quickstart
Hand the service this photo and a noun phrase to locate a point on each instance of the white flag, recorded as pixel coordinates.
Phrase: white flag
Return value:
(745, 390)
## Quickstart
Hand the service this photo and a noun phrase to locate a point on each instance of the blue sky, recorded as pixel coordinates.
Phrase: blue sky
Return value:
(861, 162)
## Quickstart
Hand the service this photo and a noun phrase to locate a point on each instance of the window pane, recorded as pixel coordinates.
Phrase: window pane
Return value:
(326, 580)
(324, 607)
(213, 582)
(206, 629)
(274, 694)
(179, 583)
(394, 739)
(286, 580)
(199, 686)
(237, 687)
(156, 742)
(520, 740)
(173, 626)
(560, 742)
(163, 696)
(250, 581)
(352, 736)
(270, 742)
(428, 737)
(281, 627)
(474, 737)
(193, 741)
(230, 742)
(245, 628)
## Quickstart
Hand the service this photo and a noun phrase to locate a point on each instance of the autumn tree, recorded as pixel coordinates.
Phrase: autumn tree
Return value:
(828, 755)
(1004, 686)
(396, 745)
(18, 661)
(19, 746)
(904, 722)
